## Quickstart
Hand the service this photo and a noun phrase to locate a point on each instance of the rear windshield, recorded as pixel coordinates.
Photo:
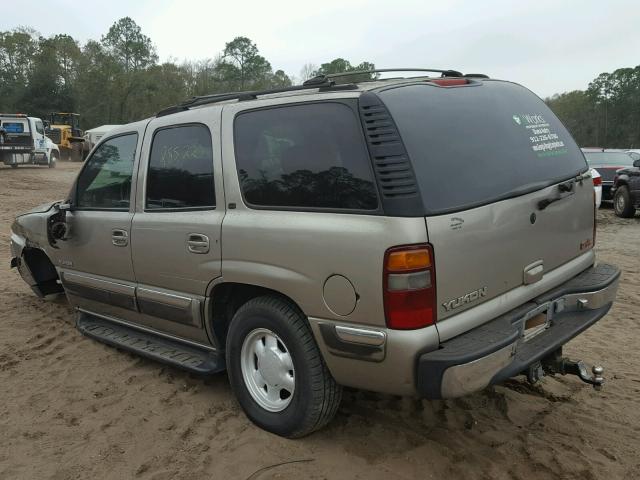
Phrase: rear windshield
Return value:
(480, 143)
(609, 158)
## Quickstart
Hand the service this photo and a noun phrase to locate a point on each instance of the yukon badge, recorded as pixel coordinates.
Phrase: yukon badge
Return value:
(463, 300)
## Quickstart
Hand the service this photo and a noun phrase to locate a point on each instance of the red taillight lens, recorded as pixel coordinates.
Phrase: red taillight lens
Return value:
(597, 181)
(450, 82)
(409, 287)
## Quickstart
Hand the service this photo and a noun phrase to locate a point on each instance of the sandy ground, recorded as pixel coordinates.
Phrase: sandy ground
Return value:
(71, 408)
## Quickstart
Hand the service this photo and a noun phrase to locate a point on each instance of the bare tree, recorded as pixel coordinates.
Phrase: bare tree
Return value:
(308, 71)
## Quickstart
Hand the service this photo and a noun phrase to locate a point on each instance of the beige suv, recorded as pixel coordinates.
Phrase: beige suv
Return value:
(424, 236)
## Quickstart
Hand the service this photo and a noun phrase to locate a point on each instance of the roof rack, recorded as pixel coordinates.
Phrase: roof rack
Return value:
(325, 86)
(323, 83)
(324, 78)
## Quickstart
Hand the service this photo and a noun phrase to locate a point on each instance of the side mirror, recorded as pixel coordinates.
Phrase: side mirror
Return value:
(636, 164)
(57, 227)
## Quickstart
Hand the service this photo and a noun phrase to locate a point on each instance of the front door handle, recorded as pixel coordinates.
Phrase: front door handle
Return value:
(119, 237)
(198, 243)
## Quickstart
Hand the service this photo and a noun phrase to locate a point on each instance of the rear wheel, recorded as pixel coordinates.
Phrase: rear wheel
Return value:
(622, 205)
(14, 165)
(276, 370)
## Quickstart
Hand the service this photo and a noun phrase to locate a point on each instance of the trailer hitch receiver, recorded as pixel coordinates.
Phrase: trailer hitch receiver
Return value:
(557, 364)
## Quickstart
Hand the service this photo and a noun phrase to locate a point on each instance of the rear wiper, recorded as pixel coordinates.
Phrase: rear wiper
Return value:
(566, 187)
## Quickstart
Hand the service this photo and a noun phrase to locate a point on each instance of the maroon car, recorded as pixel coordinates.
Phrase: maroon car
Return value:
(606, 162)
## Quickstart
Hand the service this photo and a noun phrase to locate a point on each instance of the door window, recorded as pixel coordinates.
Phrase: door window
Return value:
(105, 182)
(39, 128)
(180, 175)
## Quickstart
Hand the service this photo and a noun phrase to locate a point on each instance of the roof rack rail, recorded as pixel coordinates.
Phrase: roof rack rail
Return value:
(324, 78)
(322, 82)
(475, 75)
(326, 85)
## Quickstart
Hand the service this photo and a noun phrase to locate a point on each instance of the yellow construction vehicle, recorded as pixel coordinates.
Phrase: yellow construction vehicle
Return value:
(64, 131)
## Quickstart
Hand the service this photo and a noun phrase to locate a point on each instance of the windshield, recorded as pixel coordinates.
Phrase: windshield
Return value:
(621, 159)
(62, 119)
(480, 143)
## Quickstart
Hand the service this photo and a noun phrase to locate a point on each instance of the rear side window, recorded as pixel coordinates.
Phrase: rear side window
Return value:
(481, 143)
(304, 156)
(13, 127)
(180, 172)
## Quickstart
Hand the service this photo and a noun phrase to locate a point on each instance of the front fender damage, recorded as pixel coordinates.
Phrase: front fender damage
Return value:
(31, 244)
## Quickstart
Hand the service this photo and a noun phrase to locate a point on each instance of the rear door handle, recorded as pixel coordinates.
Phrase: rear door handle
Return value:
(120, 238)
(198, 243)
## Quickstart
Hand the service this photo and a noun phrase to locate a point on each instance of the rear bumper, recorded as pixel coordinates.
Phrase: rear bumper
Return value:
(497, 350)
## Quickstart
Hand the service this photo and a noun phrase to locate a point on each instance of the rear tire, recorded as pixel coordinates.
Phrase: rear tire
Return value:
(14, 165)
(622, 205)
(307, 396)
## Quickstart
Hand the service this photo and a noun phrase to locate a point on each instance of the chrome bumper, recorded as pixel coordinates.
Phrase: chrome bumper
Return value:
(500, 349)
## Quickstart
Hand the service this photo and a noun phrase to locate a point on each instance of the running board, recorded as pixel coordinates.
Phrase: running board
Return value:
(152, 346)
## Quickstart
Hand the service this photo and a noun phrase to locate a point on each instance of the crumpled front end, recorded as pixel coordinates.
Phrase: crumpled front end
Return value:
(30, 252)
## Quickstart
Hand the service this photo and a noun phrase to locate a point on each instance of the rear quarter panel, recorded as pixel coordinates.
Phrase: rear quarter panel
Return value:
(295, 252)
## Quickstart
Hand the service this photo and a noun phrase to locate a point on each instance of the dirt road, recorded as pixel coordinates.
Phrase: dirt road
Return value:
(71, 408)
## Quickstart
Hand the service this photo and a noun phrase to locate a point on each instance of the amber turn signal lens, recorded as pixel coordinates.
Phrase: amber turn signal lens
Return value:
(404, 260)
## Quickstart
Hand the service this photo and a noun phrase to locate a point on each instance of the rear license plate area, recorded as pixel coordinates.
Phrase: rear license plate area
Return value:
(535, 325)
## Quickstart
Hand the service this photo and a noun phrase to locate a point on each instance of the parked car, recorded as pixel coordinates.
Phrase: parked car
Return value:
(23, 141)
(607, 162)
(597, 186)
(626, 190)
(303, 239)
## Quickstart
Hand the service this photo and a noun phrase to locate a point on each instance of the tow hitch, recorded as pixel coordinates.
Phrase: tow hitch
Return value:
(557, 364)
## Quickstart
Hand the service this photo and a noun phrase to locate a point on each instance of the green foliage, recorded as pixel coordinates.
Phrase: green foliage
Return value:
(340, 65)
(131, 49)
(607, 114)
(17, 51)
(577, 112)
(242, 66)
(118, 79)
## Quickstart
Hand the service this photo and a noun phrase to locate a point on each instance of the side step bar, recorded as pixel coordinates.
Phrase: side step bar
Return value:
(154, 347)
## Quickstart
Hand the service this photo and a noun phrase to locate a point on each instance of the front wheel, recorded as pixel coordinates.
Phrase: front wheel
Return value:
(276, 370)
(53, 159)
(622, 205)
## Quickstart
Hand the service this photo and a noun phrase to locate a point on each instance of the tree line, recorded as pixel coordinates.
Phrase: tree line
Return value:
(607, 113)
(119, 79)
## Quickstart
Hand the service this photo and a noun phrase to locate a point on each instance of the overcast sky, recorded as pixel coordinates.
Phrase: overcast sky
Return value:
(549, 46)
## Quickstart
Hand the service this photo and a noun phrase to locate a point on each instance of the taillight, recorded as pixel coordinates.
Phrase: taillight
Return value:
(409, 285)
(450, 82)
(597, 181)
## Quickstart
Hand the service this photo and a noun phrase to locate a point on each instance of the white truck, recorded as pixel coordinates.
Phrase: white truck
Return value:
(23, 141)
